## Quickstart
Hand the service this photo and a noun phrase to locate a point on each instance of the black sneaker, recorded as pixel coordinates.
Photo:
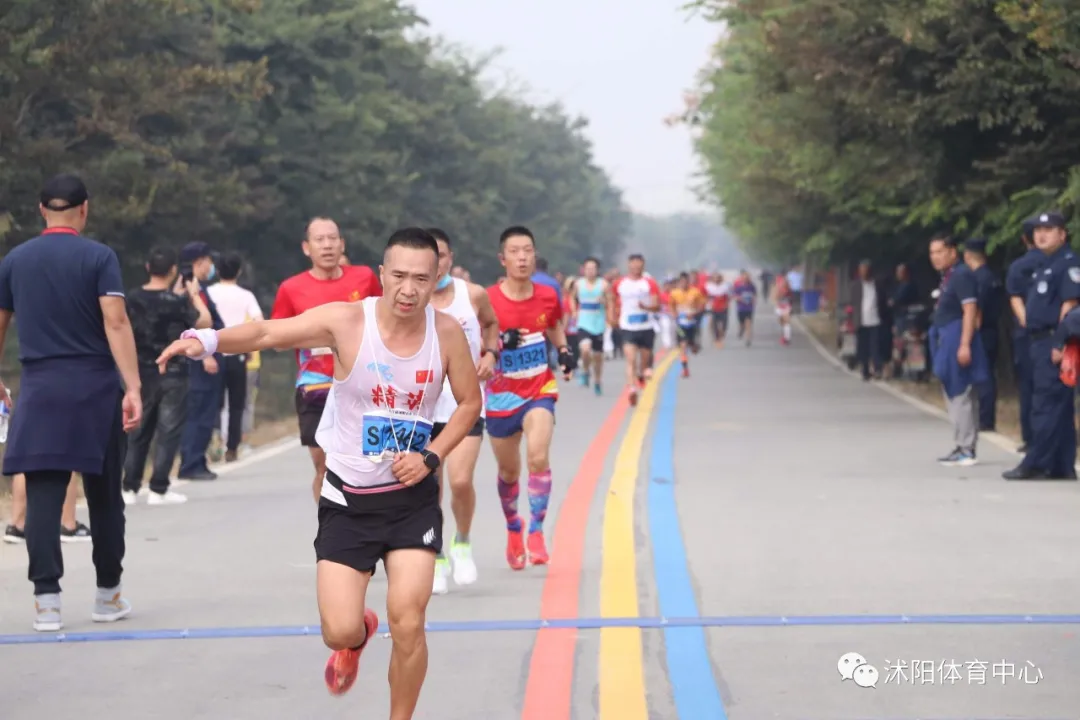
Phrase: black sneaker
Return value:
(80, 533)
(13, 535)
(1024, 473)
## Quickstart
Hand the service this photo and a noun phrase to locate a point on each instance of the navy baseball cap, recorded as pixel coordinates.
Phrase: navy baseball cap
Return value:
(64, 192)
(1052, 219)
(975, 245)
(193, 251)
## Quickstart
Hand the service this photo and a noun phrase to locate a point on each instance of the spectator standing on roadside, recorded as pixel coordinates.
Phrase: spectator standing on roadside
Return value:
(205, 382)
(72, 412)
(165, 306)
(1018, 281)
(1055, 291)
(71, 530)
(795, 282)
(868, 299)
(956, 348)
(991, 297)
(236, 305)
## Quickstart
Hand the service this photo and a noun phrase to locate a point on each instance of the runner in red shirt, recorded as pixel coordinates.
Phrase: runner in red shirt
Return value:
(327, 281)
(521, 395)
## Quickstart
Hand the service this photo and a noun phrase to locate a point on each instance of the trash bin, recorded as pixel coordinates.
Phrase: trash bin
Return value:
(811, 301)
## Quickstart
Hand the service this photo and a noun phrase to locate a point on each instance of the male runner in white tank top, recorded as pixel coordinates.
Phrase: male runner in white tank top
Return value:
(469, 305)
(380, 496)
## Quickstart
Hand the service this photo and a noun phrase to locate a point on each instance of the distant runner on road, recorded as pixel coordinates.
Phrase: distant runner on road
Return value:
(687, 306)
(745, 293)
(783, 298)
(327, 281)
(638, 298)
(590, 303)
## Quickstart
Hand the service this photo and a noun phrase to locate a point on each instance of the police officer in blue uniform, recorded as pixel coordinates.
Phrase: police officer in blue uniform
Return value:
(990, 300)
(1018, 281)
(1055, 290)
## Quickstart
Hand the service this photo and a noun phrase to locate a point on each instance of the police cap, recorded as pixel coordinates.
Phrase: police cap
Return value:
(1052, 219)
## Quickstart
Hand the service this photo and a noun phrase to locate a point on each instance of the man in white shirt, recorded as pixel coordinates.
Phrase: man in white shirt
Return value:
(868, 303)
(236, 305)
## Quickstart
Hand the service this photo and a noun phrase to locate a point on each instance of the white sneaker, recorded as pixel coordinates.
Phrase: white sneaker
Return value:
(110, 607)
(167, 498)
(464, 567)
(130, 497)
(442, 573)
(48, 613)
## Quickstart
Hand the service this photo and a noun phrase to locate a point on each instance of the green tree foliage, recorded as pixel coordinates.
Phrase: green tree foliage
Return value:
(854, 128)
(684, 241)
(235, 121)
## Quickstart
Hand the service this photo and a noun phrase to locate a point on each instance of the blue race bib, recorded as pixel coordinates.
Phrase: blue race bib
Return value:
(528, 357)
(590, 306)
(384, 434)
(638, 318)
(685, 320)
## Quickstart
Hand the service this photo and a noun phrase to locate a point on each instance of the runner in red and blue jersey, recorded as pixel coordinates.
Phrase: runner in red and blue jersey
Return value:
(521, 396)
(327, 281)
(745, 293)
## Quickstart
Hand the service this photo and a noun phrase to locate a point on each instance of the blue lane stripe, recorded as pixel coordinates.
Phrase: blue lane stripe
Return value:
(648, 623)
(689, 667)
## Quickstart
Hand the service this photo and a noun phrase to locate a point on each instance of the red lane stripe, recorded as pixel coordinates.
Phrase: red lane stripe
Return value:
(551, 669)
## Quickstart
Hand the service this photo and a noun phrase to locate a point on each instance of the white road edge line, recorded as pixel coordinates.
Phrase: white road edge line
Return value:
(265, 452)
(1002, 441)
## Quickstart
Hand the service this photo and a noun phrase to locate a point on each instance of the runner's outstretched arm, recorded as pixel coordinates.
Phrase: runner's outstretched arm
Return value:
(310, 329)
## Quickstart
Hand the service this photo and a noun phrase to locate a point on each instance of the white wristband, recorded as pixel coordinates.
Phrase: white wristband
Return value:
(208, 337)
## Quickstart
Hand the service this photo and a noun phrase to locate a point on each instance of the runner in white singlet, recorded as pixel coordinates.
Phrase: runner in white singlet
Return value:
(470, 306)
(380, 495)
(637, 298)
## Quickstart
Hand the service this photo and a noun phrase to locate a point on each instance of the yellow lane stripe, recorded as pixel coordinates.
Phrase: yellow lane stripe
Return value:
(622, 670)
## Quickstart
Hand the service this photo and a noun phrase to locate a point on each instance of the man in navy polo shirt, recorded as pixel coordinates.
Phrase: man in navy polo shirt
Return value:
(72, 413)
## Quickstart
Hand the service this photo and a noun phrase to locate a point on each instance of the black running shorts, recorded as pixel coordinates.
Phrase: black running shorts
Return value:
(644, 339)
(362, 532)
(596, 340)
(309, 409)
(477, 430)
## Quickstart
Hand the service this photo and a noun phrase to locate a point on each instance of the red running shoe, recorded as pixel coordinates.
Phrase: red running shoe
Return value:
(515, 549)
(343, 665)
(538, 554)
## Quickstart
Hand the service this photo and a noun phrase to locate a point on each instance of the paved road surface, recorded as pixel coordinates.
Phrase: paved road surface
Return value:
(798, 491)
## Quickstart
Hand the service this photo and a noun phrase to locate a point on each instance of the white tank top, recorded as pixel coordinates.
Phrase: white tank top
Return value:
(461, 309)
(385, 405)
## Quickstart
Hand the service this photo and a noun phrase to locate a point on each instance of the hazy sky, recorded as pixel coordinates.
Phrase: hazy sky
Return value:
(623, 64)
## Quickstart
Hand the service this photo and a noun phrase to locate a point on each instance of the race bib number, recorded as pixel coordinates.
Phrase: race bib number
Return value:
(386, 434)
(526, 357)
(685, 320)
(590, 306)
(637, 318)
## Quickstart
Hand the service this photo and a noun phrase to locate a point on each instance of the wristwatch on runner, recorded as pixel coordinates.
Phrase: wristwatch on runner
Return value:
(431, 460)
(494, 353)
